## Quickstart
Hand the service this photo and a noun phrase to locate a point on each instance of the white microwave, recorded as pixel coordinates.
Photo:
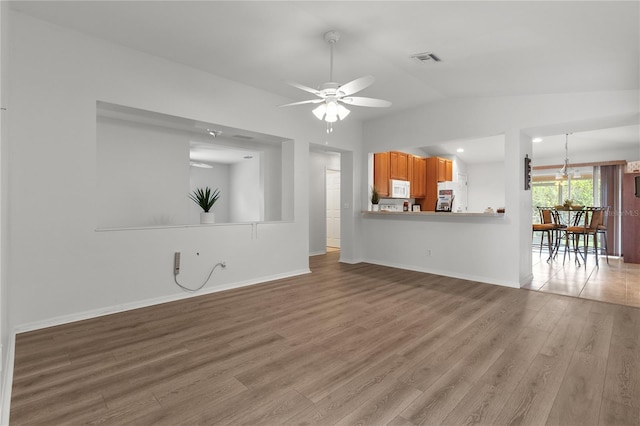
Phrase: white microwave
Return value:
(399, 188)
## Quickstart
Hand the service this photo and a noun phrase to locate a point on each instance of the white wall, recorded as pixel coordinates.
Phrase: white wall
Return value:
(247, 203)
(485, 186)
(274, 190)
(459, 245)
(143, 175)
(4, 204)
(606, 154)
(61, 268)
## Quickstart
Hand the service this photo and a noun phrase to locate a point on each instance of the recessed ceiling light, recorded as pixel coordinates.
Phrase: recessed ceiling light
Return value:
(536, 140)
(214, 133)
(460, 150)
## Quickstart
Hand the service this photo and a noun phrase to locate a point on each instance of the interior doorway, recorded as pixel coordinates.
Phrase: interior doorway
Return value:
(325, 203)
(333, 208)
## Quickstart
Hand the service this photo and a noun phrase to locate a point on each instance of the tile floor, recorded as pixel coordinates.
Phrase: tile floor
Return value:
(617, 282)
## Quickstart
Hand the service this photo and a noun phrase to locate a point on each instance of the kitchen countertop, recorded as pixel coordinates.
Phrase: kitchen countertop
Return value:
(430, 214)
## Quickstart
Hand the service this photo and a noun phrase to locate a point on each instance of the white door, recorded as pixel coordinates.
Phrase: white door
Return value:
(333, 208)
(461, 192)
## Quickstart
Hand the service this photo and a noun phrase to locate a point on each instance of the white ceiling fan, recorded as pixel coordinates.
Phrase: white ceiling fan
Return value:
(332, 95)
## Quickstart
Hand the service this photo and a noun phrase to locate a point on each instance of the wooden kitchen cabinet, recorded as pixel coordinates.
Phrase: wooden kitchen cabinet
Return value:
(381, 173)
(438, 170)
(398, 165)
(418, 176)
(443, 168)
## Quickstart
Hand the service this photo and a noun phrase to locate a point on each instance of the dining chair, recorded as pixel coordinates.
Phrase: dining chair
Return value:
(545, 227)
(585, 225)
(602, 231)
(558, 232)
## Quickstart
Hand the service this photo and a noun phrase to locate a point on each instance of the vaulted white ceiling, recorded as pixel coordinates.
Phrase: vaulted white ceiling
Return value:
(488, 48)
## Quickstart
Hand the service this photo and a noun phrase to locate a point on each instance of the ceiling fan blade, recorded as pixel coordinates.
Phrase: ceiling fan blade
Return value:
(311, 101)
(366, 102)
(356, 85)
(305, 88)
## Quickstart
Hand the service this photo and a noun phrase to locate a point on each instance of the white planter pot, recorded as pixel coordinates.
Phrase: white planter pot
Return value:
(208, 217)
(375, 207)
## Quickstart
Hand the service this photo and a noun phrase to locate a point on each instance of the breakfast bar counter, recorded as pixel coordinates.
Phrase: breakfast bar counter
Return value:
(396, 214)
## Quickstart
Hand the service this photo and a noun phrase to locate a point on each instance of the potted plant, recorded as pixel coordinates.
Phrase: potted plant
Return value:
(375, 198)
(205, 198)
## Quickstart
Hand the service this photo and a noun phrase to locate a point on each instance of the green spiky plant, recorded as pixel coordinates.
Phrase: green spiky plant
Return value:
(205, 197)
(375, 197)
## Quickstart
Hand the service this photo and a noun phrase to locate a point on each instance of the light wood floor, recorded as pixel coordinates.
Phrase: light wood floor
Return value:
(616, 282)
(347, 344)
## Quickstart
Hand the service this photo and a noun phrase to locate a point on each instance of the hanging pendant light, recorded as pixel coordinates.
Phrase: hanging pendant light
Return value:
(566, 172)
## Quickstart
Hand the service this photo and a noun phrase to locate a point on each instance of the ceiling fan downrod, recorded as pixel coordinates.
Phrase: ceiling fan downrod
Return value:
(332, 38)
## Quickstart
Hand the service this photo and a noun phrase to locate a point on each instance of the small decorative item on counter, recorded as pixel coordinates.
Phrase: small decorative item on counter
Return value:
(375, 199)
(488, 210)
(405, 206)
(500, 210)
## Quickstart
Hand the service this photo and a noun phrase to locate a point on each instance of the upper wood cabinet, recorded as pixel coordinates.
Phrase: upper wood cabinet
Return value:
(418, 176)
(448, 170)
(438, 170)
(398, 165)
(381, 173)
(442, 169)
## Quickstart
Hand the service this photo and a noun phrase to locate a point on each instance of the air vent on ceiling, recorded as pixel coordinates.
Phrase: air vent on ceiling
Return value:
(425, 57)
(246, 138)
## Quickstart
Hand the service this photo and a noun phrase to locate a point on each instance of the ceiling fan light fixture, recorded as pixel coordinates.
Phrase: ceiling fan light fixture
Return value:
(330, 111)
(333, 111)
(320, 111)
(333, 94)
(343, 112)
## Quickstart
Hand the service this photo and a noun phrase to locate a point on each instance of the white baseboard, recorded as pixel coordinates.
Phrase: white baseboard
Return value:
(317, 253)
(486, 280)
(350, 261)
